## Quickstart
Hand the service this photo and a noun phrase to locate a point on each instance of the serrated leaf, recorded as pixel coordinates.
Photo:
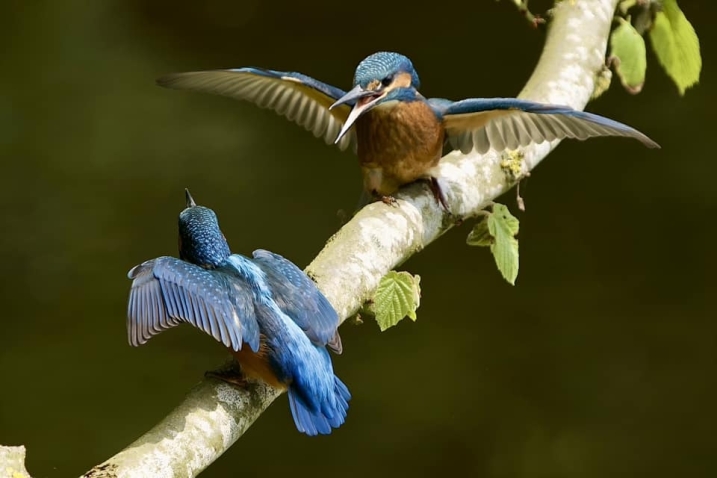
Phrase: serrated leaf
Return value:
(506, 217)
(398, 296)
(676, 45)
(503, 226)
(480, 236)
(629, 56)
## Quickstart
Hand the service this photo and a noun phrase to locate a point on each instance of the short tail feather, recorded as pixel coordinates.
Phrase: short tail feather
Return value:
(314, 422)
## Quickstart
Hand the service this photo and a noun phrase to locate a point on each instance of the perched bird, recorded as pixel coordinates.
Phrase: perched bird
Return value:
(270, 315)
(400, 135)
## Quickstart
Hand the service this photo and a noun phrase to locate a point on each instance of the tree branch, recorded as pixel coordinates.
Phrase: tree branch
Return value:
(12, 462)
(214, 415)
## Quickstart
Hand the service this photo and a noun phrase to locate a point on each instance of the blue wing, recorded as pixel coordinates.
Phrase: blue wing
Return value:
(298, 97)
(167, 291)
(507, 123)
(299, 298)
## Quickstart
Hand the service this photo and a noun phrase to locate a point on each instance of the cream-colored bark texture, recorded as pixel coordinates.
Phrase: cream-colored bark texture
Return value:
(12, 462)
(377, 239)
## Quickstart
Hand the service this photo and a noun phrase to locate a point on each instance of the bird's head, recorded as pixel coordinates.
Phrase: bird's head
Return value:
(201, 242)
(383, 70)
(378, 79)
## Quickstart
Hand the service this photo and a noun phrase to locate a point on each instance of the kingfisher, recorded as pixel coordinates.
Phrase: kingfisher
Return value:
(398, 134)
(268, 312)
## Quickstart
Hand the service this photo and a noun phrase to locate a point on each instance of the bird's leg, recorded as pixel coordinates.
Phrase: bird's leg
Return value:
(386, 199)
(389, 200)
(438, 192)
(230, 373)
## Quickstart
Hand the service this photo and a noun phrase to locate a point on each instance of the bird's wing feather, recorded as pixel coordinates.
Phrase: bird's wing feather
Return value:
(299, 298)
(439, 105)
(298, 97)
(167, 291)
(507, 123)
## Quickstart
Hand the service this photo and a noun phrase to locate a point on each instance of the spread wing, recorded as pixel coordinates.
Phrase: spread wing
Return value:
(299, 298)
(298, 97)
(167, 291)
(507, 123)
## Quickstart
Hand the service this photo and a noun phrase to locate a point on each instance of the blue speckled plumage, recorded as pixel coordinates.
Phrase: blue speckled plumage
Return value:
(265, 302)
(380, 110)
(382, 65)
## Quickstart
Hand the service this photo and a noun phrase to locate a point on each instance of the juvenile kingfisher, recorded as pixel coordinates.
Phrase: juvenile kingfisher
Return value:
(398, 134)
(271, 316)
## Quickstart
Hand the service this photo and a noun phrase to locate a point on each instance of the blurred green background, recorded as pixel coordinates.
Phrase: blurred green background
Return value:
(600, 362)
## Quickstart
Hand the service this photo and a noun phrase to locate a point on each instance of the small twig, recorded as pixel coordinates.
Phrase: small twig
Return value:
(534, 19)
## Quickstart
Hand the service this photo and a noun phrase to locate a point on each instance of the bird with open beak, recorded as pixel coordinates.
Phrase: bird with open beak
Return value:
(398, 134)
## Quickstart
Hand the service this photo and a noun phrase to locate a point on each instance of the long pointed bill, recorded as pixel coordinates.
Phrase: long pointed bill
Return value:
(364, 101)
(190, 199)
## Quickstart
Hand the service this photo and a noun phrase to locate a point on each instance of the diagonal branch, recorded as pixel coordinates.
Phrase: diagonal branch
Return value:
(214, 415)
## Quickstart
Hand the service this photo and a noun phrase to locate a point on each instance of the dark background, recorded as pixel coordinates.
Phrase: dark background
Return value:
(600, 362)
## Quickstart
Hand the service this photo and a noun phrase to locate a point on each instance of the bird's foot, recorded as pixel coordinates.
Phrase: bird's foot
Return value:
(230, 373)
(438, 193)
(389, 200)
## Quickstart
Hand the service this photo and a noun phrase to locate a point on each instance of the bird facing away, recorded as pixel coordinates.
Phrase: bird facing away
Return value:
(398, 134)
(271, 316)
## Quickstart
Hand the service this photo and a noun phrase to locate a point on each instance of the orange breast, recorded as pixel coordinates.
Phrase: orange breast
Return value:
(398, 145)
(256, 365)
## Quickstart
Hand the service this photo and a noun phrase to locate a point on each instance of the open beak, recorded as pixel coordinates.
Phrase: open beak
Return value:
(365, 100)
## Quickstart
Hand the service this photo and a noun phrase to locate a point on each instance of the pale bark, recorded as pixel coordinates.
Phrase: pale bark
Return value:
(12, 462)
(380, 237)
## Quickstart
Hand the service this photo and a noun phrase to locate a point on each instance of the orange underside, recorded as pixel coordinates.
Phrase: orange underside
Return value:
(256, 365)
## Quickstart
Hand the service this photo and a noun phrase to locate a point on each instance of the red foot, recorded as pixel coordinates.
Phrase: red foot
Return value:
(389, 200)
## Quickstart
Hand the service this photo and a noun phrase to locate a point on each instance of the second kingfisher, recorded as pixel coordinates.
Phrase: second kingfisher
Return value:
(400, 135)
(272, 317)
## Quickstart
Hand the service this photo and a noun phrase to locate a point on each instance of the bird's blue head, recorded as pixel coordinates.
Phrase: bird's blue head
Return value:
(381, 70)
(379, 78)
(201, 242)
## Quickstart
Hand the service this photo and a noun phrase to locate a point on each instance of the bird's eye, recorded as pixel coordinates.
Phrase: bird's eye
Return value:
(387, 81)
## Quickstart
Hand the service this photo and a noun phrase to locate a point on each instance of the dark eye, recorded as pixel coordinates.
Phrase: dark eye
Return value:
(387, 81)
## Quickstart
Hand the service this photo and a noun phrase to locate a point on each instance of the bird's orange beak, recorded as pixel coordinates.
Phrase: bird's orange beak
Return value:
(363, 101)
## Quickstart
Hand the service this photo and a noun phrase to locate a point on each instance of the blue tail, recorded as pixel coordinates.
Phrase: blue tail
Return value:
(321, 421)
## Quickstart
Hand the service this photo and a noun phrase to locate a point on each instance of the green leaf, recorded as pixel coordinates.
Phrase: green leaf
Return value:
(676, 45)
(626, 5)
(480, 236)
(503, 226)
(629, 56)
(398, 295)
(498, 230)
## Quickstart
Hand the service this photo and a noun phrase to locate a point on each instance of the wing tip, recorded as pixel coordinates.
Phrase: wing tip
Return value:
(335, 343)
(254, 343)
(644, 139)
(175, 80)
(170, 80)
(618, 126)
